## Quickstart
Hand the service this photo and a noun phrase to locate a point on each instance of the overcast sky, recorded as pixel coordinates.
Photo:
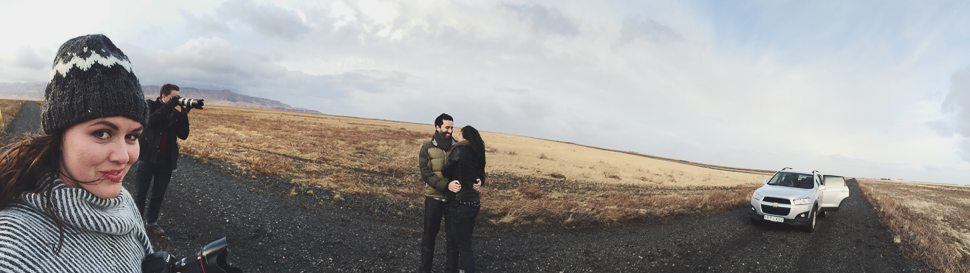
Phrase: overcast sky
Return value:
(859, 88)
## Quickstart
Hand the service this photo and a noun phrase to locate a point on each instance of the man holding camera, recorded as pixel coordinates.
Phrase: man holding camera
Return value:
(159, 152)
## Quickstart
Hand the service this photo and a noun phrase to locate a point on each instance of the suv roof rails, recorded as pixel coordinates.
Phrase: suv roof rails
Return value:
(786, 168)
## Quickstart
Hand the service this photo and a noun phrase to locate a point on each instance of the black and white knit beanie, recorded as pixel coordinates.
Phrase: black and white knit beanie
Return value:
(91, 78)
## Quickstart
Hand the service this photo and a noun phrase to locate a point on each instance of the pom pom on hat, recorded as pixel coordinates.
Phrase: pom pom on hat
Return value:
(91, 78)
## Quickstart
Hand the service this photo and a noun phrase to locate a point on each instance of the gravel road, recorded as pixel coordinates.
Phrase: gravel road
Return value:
(269, 229)
(850, 240)
(27, 120)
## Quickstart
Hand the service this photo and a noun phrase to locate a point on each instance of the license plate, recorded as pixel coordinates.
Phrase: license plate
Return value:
(774, 219)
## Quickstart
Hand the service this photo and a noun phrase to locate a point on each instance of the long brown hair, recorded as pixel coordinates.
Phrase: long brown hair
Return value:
(471, 135)
(25, 165)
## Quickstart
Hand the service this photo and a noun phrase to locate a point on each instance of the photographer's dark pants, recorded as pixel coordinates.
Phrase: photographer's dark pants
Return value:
(434, 210)
(161, 173)
(462, 218)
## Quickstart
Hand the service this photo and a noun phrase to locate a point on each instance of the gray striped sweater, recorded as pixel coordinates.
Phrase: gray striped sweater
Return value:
(101, 235)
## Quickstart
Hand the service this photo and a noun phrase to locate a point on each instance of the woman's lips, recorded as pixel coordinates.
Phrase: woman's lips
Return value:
(113, 175)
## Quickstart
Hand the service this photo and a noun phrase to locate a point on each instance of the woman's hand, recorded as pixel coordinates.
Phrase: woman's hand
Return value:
(478, 184)
(454, 186)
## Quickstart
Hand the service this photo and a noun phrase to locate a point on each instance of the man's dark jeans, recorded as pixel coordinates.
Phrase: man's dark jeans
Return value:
(161, 171)
(434, 210)
(462, 226)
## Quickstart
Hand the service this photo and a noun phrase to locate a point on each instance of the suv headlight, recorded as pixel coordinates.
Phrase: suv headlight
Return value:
(757, 196)
(801, 201)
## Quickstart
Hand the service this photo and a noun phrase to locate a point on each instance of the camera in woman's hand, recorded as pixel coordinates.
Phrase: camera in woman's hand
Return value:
(211, 258)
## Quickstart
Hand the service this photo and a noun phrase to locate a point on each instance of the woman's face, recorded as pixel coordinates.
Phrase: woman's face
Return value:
(99, 151)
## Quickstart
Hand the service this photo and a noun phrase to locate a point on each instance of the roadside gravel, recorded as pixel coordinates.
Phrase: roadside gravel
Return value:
(269, 230)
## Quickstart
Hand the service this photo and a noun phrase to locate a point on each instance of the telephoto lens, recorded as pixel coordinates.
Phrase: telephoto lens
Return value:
(191, 103)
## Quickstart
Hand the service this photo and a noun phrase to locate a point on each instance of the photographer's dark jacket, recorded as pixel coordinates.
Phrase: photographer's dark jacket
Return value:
(464, 165)
(164, 125)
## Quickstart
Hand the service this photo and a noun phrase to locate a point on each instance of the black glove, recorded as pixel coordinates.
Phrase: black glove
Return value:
(158, 262)
(172, 101)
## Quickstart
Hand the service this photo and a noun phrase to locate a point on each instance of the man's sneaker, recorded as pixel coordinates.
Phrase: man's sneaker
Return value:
(155, 229)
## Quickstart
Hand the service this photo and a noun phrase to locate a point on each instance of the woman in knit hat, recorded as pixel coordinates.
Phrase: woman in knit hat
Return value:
(62, 205)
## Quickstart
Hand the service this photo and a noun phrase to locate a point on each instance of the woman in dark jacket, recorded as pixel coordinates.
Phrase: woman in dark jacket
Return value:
(466, 164)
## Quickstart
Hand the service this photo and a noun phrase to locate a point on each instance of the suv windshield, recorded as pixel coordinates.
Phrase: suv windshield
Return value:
(797, 180)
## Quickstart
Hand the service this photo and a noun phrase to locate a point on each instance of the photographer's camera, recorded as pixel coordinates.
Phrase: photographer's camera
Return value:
(190, 103)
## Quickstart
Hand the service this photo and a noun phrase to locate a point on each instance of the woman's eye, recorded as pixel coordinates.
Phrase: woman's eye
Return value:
(131, 137)
(101, 134)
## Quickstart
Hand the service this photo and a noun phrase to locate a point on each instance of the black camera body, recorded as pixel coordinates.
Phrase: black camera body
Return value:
(190, 103)
(211, 258)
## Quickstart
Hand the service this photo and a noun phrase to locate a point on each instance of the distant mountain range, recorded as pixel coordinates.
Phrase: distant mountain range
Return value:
(35, 91)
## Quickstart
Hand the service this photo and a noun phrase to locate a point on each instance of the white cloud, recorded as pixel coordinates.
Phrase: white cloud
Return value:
(957, 104)
(635, 28)
(854, 87)
(26, 64)
(266, 20)
(206, 63)
(545, 19)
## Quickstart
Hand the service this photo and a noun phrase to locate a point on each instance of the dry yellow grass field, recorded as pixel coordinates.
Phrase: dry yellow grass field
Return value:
(931, 220)
(531, 180)
(8, 110)
(537, 157)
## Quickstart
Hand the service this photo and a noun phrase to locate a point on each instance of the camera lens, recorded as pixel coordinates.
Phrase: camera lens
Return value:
(191, 103)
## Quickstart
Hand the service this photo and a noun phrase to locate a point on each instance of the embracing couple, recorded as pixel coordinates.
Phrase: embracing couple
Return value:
(452, 170)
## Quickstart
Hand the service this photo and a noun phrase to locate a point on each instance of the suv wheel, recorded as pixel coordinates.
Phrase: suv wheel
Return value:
(811, 224)
(821, 213)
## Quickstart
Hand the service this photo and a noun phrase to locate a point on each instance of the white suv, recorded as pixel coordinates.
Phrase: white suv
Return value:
(797, 197)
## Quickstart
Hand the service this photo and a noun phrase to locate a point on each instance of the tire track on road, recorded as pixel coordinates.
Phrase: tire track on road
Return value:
(26, 121)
